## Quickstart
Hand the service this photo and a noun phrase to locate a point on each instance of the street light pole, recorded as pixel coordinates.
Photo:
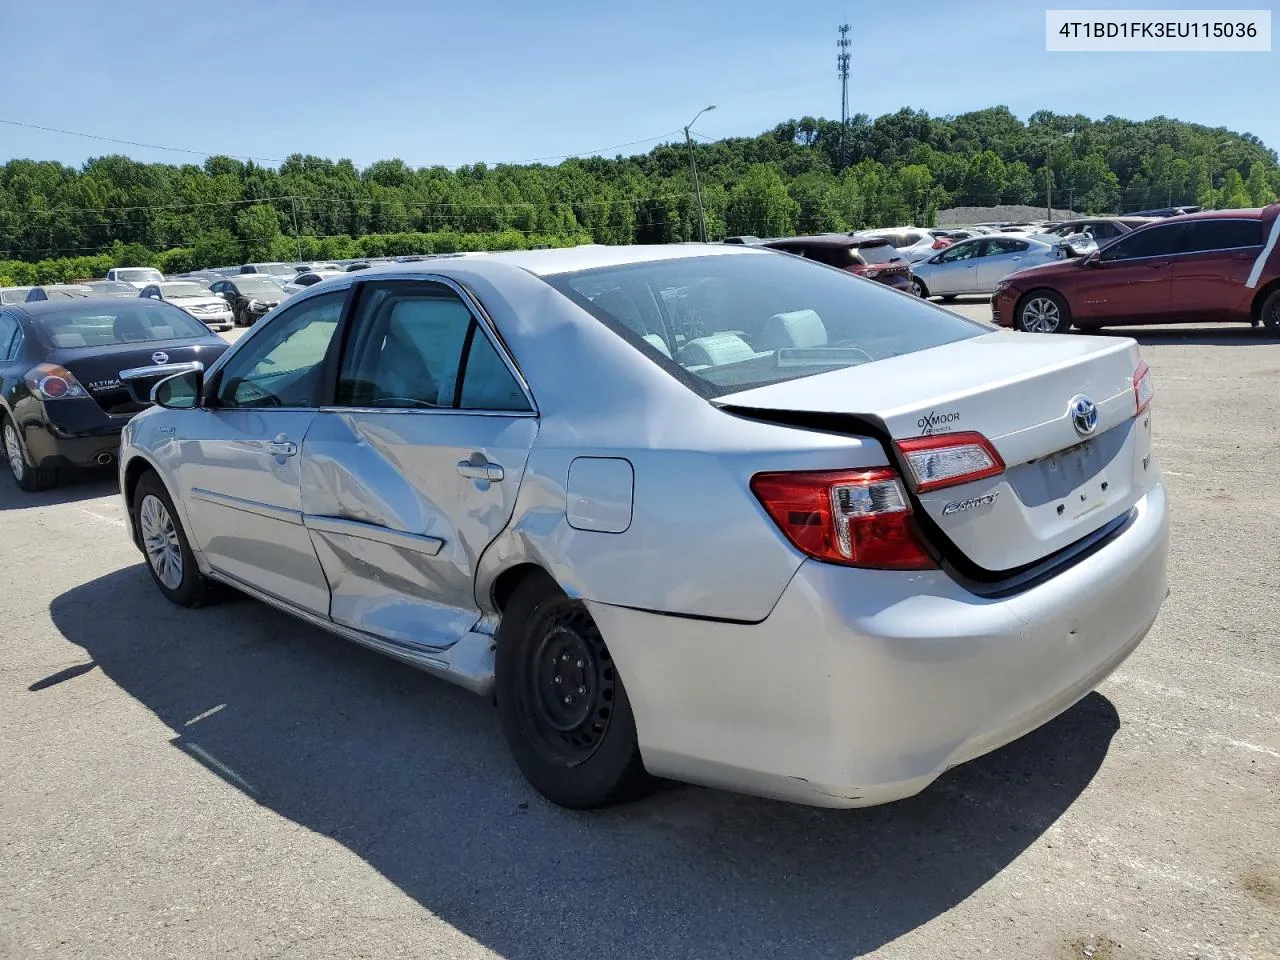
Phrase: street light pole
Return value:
(693, 165)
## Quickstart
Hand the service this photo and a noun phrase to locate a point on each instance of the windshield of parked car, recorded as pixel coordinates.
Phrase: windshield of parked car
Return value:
(95, 326)
(251, 285)
(139, 275)
(731, 322)
(185, 289)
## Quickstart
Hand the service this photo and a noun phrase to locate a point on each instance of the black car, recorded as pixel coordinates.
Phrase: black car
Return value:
(250, 295)
(73, 372)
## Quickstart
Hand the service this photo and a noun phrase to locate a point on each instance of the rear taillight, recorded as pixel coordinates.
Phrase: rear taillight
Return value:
(949, 459)
(860, 518)
(1143, 388)
(49, 381)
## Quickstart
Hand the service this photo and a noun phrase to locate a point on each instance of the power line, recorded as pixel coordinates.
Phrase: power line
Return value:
(277, 160)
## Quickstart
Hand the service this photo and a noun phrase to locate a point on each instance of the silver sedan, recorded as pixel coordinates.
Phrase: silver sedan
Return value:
(701, 512)
(977, 265)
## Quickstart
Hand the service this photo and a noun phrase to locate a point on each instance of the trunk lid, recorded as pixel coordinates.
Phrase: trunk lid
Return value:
(1059, 484)
(120, 376)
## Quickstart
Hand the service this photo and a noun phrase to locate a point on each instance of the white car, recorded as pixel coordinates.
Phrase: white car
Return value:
(975, 266)
(309, 279)
(213, 311)
(137, 277)
(702, 511)
(912, 243)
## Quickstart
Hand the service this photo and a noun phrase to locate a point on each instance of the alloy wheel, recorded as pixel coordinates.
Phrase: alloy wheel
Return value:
(1041, 315)
(13, 450)
(160, 540)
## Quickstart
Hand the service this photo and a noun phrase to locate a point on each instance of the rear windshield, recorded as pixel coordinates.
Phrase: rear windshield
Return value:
(139, 275)
(728, 323)
(97, 326)
(880, 253)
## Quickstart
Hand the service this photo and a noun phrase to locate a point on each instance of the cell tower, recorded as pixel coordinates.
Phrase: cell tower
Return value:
(842, 67)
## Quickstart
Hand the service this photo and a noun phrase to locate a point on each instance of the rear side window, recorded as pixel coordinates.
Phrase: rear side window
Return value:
(730, 322)
(1205, 235)
(9, 338)
(418, 346)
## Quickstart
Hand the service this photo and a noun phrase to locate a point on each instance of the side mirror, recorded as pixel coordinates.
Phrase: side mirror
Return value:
(179, 392)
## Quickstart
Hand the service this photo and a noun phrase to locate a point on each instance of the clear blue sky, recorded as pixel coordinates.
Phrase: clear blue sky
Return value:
(454, 83)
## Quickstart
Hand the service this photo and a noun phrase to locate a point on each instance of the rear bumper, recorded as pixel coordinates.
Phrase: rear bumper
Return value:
(864, 686)
(898, 281)
(78, 434)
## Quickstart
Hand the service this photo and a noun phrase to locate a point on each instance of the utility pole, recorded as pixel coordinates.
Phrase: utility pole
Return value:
(842, 68)
(297, 241)
(1048, 193)
(693, 165)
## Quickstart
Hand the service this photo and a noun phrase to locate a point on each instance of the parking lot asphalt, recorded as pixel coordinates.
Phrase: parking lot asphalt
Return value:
(229, 782)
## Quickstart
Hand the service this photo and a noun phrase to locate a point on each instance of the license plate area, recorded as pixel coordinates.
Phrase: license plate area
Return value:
(1076, 477)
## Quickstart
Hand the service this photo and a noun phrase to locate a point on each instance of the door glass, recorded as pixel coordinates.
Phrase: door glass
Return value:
(966, 250)
(1159, 241)
(1205, 235)
(281, 366)
(408, 343)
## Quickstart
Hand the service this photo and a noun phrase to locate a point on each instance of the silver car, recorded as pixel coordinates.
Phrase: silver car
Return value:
(975, 266)
(693, 511)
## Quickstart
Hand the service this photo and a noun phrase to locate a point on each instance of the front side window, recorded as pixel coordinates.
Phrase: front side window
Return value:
(1161, 241)
(1205, 235)
(735, 321)
(966, 250)
(282, 366)
(416, 345)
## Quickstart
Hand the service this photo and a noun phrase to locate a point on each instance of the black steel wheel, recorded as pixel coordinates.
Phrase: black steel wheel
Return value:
(563, 707)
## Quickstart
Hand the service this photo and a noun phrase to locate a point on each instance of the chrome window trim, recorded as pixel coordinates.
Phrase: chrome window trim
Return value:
(487, 327)
(465, 411)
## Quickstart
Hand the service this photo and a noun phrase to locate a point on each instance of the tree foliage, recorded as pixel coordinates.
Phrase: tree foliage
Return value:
(898, 168)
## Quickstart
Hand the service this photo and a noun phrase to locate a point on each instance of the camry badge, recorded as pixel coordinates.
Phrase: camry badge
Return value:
(159, 357)
(960, 505)
(1084, 414)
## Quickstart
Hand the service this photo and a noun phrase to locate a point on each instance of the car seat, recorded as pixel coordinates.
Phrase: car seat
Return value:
(799, 328)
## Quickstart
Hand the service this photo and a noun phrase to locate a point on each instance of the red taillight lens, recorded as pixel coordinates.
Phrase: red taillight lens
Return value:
(941, 243)
(1143, 388)
(859, 518)
(949, 459)
(49, 381)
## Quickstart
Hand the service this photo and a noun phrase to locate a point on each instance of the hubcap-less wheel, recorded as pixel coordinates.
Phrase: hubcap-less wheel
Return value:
(1041, 315)
(13, 450)
(160, 540)
(572, 686)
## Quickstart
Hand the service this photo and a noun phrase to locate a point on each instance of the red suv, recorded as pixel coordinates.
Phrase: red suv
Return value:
(1202, 267)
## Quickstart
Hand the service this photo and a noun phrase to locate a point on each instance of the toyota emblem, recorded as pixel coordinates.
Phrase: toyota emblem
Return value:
(1084, 415)
(159, 357)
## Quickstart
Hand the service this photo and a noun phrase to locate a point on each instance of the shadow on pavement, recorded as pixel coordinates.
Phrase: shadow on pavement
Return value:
(1237, 335)
(73, 487)
(411, 775)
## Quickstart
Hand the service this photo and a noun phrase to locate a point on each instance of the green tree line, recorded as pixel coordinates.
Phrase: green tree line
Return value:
(807, 175)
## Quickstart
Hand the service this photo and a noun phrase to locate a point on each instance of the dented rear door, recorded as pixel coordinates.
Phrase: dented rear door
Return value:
(415, 472)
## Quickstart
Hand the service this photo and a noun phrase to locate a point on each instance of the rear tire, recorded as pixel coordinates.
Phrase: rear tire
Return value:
(563, 708)
(170, 562)
(1042, 311)
(28, 478)
(1270, 314)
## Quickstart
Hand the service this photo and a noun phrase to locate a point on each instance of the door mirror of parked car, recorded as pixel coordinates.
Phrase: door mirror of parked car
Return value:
(179, 392)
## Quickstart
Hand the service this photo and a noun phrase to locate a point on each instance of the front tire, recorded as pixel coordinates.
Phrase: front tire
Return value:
(28, 478)
(1042, 311)
(169, 559)
(1270, 314)
(562, 705)
(919, 289)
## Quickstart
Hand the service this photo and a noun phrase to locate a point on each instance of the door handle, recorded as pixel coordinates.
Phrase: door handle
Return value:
(481, 471)
(281, 446)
